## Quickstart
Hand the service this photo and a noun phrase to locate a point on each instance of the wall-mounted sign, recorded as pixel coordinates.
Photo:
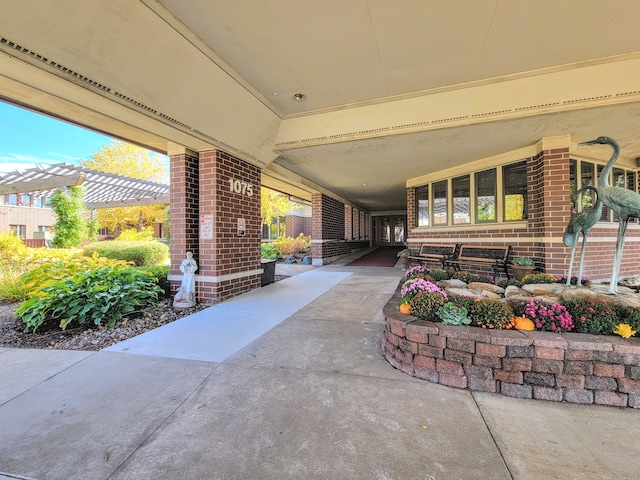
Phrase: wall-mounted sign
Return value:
(242, 226)
(206, 226)
(241, 187)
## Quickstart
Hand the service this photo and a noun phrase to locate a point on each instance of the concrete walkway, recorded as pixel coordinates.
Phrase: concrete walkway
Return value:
(305, 394)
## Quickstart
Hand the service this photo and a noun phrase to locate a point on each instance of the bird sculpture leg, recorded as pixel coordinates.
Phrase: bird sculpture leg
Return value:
(573, 251)
(622, 229)
(584, 248)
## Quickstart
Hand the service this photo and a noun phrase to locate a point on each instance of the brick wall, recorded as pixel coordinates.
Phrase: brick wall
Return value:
(569, 367)
(295, 225)
(348, 222)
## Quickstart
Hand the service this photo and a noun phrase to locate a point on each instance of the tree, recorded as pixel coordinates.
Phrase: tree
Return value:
(71, 226)
(132, 161)
(274, 204)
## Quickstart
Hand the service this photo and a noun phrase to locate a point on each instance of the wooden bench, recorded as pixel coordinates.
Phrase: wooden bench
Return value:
(435, 252)
(481, 256)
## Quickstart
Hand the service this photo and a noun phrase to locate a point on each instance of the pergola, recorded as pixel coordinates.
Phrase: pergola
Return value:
(102, 190)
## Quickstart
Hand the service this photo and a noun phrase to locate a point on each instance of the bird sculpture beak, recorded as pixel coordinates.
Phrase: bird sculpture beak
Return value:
(590, 142)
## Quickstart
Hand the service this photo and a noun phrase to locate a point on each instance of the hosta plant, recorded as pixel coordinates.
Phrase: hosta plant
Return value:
(101, 295)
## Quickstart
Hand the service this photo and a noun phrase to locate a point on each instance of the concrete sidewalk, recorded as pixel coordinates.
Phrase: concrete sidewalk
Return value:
(310, 397)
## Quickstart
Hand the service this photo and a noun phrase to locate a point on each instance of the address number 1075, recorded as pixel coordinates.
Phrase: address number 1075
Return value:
(241, 187)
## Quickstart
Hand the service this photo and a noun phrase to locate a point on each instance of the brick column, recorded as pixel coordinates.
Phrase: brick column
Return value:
(327, 230)
(348, 222)
(229, 191)
(183, 209)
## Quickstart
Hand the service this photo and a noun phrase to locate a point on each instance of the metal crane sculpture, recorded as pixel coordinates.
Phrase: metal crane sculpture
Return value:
(625, 202)
(581, 222)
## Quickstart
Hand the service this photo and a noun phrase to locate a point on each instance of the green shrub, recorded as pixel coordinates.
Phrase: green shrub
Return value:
(287, 246)
(425, 304)
(141, 253)
(131, 234)
(269, 250)
(101, 295)
(11, 247)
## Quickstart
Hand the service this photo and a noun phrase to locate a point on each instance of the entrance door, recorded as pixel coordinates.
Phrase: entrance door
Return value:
(390, 230)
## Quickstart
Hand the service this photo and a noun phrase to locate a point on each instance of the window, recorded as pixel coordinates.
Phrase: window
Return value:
(19, 230)
(275, 230)
(619, 178)
(461, 191)
(440, 203)
(486, 195)
(514, 181)
(12, 199)
(422, 206)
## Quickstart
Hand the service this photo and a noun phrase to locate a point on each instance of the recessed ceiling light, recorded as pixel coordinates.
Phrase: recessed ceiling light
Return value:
(275, 94)
(364, 184)
(299, 97)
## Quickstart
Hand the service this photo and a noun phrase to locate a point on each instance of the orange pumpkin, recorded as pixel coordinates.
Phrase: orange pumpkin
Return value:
(405, 308)
(523, 323)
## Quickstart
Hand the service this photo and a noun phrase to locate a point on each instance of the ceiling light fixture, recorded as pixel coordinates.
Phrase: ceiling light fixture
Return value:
(299, 97)
(275, 94)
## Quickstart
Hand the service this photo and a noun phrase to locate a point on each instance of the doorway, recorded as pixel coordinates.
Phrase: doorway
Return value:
(389, 230)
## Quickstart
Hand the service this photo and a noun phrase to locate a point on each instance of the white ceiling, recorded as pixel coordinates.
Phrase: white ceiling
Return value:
(394, 89)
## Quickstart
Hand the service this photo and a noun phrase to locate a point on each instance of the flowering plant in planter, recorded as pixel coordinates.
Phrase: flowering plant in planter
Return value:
(412, 287)
(592, 316)
(416, 271)
(554, 317)
(425, 304)
(488, 313)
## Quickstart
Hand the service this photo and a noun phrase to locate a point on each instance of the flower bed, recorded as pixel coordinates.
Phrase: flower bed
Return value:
(547, 365)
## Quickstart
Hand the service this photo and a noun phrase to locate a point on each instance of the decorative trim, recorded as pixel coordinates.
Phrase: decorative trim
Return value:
(219, 278)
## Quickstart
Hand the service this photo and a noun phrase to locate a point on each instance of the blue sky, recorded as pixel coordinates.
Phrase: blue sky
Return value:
(28, 139)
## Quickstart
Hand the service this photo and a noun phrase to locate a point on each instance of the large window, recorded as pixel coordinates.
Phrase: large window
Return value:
(514, 182)
(440, 203)
(422, 206)
(486, 196)
(474, 198)
(584, 173)
(461, 191)
(275, 230)
(19, 230)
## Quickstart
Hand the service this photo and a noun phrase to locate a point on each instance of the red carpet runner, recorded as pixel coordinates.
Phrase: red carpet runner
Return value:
(381, 257)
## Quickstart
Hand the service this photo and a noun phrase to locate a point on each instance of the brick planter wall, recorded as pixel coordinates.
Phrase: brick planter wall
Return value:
(569, 367)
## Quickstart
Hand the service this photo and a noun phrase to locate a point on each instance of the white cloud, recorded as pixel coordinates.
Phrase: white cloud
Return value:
(10, 162)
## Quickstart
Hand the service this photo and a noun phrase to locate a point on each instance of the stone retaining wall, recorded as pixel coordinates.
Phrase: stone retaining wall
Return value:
(569, 367)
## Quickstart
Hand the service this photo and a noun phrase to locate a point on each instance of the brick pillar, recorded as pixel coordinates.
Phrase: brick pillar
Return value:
(363, 232)
(348, 222)
(229, 190)
(327, 229)
(183, 206)
(549, 198)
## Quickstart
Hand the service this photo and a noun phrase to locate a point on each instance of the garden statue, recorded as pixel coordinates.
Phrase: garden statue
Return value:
(186, 295)
(625, 202)
(581, 222)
